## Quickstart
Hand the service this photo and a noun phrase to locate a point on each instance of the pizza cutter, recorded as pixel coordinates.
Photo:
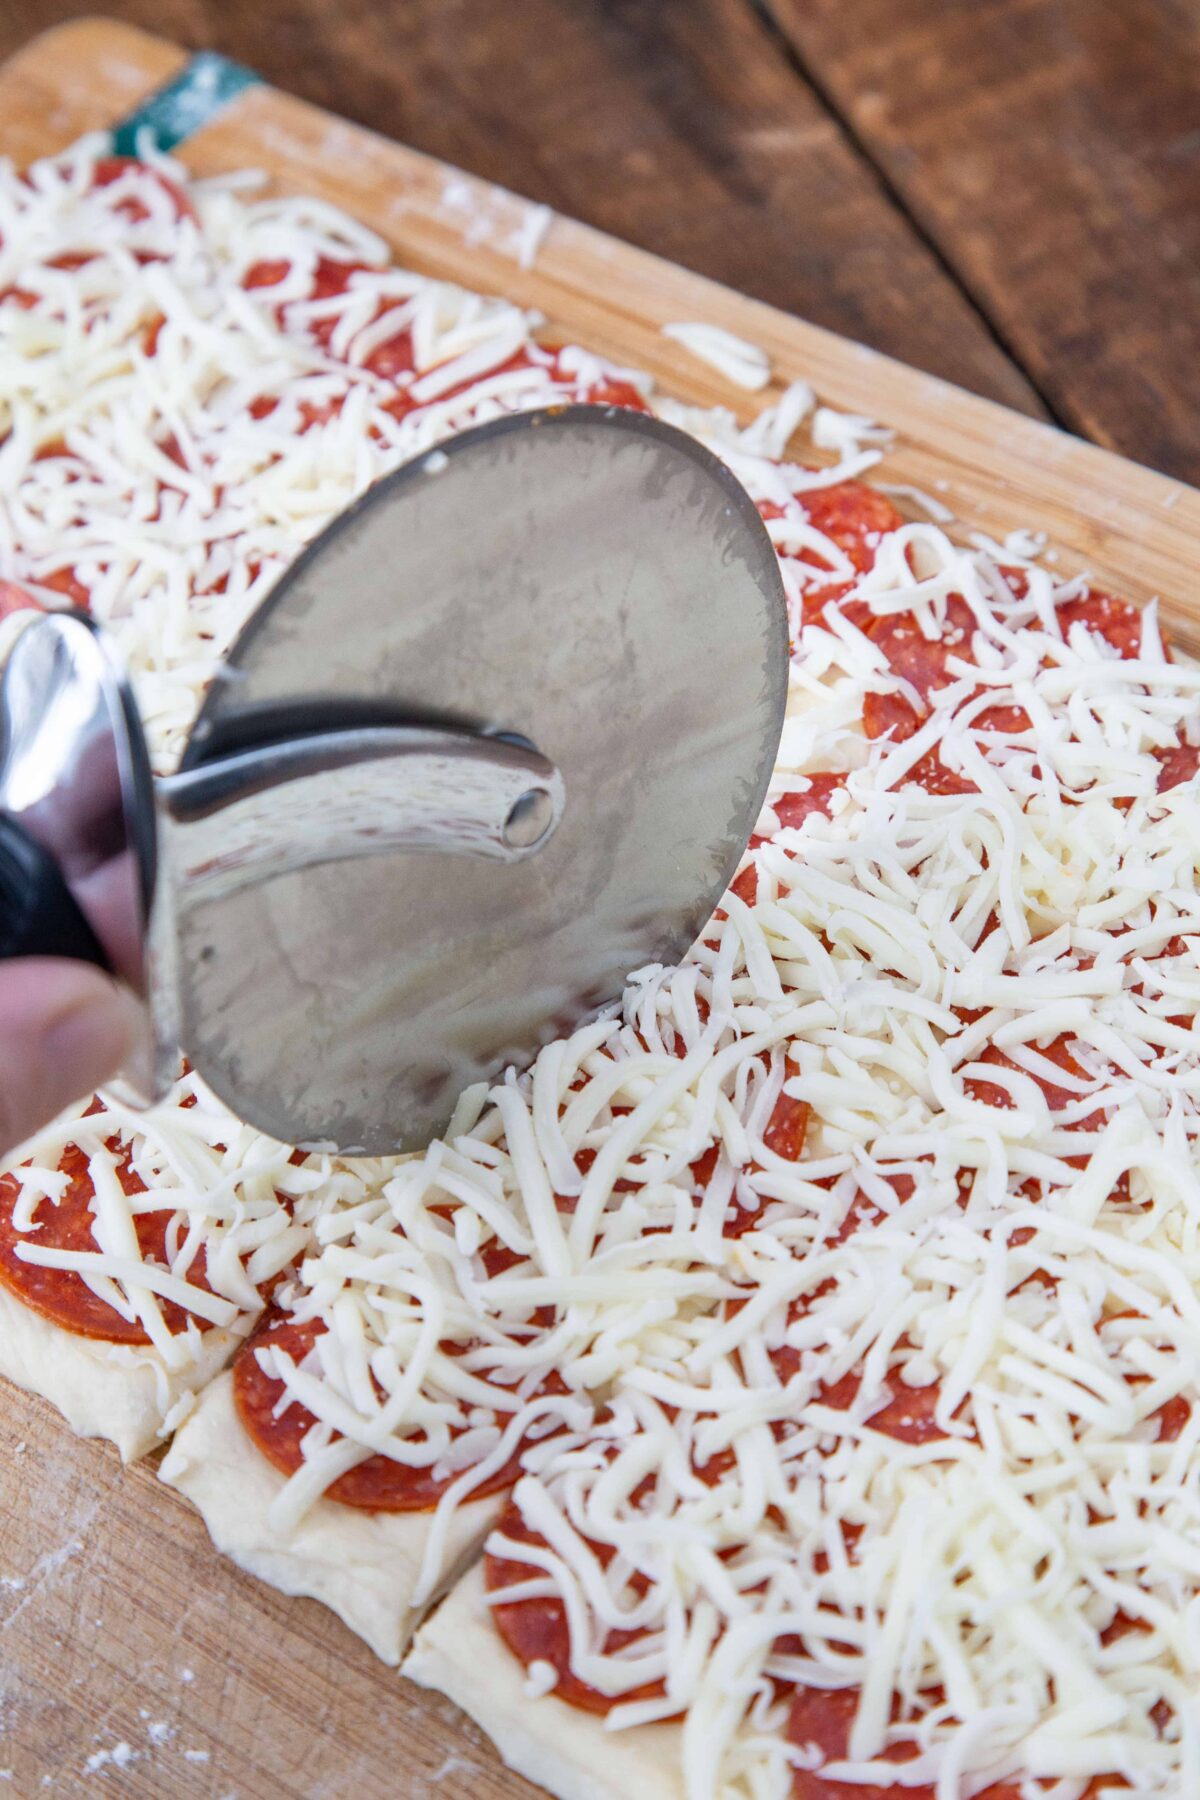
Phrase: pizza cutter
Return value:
(496, 740)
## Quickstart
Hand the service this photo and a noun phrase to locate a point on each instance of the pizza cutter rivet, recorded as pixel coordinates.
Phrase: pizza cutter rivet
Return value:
(529, 820)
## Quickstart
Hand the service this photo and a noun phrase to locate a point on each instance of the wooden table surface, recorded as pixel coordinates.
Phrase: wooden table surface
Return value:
(1004, 192)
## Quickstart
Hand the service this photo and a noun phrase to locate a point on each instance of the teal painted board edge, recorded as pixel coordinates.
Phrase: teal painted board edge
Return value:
(202, 88)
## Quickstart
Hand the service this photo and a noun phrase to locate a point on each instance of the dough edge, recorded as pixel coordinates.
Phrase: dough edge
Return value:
(363, 1566)
(566, 1751)
(119, 1392)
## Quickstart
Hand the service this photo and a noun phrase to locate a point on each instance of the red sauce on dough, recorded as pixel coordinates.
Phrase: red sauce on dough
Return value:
(377, 1485)
(60, 1294)
(536, 1630)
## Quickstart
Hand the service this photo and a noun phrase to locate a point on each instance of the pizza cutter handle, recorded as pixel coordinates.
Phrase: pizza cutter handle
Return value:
(333, 795)
(38, 913)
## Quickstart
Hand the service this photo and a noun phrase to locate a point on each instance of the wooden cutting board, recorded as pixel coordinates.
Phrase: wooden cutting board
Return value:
(134, 1661)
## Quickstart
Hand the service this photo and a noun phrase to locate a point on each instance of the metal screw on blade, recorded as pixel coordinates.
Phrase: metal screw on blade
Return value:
(529, 820)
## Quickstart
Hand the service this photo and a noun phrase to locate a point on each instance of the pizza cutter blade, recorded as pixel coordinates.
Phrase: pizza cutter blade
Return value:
(497, 739)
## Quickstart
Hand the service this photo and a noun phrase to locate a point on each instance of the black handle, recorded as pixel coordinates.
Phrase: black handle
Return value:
(39, 915)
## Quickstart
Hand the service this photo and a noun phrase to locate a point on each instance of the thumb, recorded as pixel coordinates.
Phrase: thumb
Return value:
(64, 1028)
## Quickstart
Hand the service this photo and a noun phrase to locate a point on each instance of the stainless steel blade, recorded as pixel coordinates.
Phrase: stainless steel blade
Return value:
(590, 580)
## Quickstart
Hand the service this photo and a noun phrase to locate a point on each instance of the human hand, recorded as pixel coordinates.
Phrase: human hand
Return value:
(65, 1027)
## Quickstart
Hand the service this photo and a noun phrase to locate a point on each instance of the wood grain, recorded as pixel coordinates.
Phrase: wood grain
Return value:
(680, 126)
(109, 1589)
(1051, 149)
(996, 469)
(120, 1626)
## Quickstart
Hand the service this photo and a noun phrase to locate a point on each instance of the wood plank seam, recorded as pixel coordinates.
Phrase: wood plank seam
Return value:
(811, 76)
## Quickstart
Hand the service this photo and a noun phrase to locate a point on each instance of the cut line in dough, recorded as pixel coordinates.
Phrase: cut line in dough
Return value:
(567, 1751)
(363, 1566)
(123, 1393)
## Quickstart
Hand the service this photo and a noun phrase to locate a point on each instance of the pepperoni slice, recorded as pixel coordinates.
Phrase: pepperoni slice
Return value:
(377, 1485)
(919, 660)
(1057, 1052)
(907, 1415)
(1116, 621)
(393, 358)
(330, 277)
(1172, 1417)
(788, 1125)
(266, 274)
(792, 808)
(821, 1719)
(1178, 765)
(537, 1631)
(854, 516)
(67, 583)
(15, 599)
(60, 1294)
(1113, 619)
(745, 885)
(784, 1134)
(861, 1214)
(923, 662)
(798, 804)
(609, 390)
(112, 168)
